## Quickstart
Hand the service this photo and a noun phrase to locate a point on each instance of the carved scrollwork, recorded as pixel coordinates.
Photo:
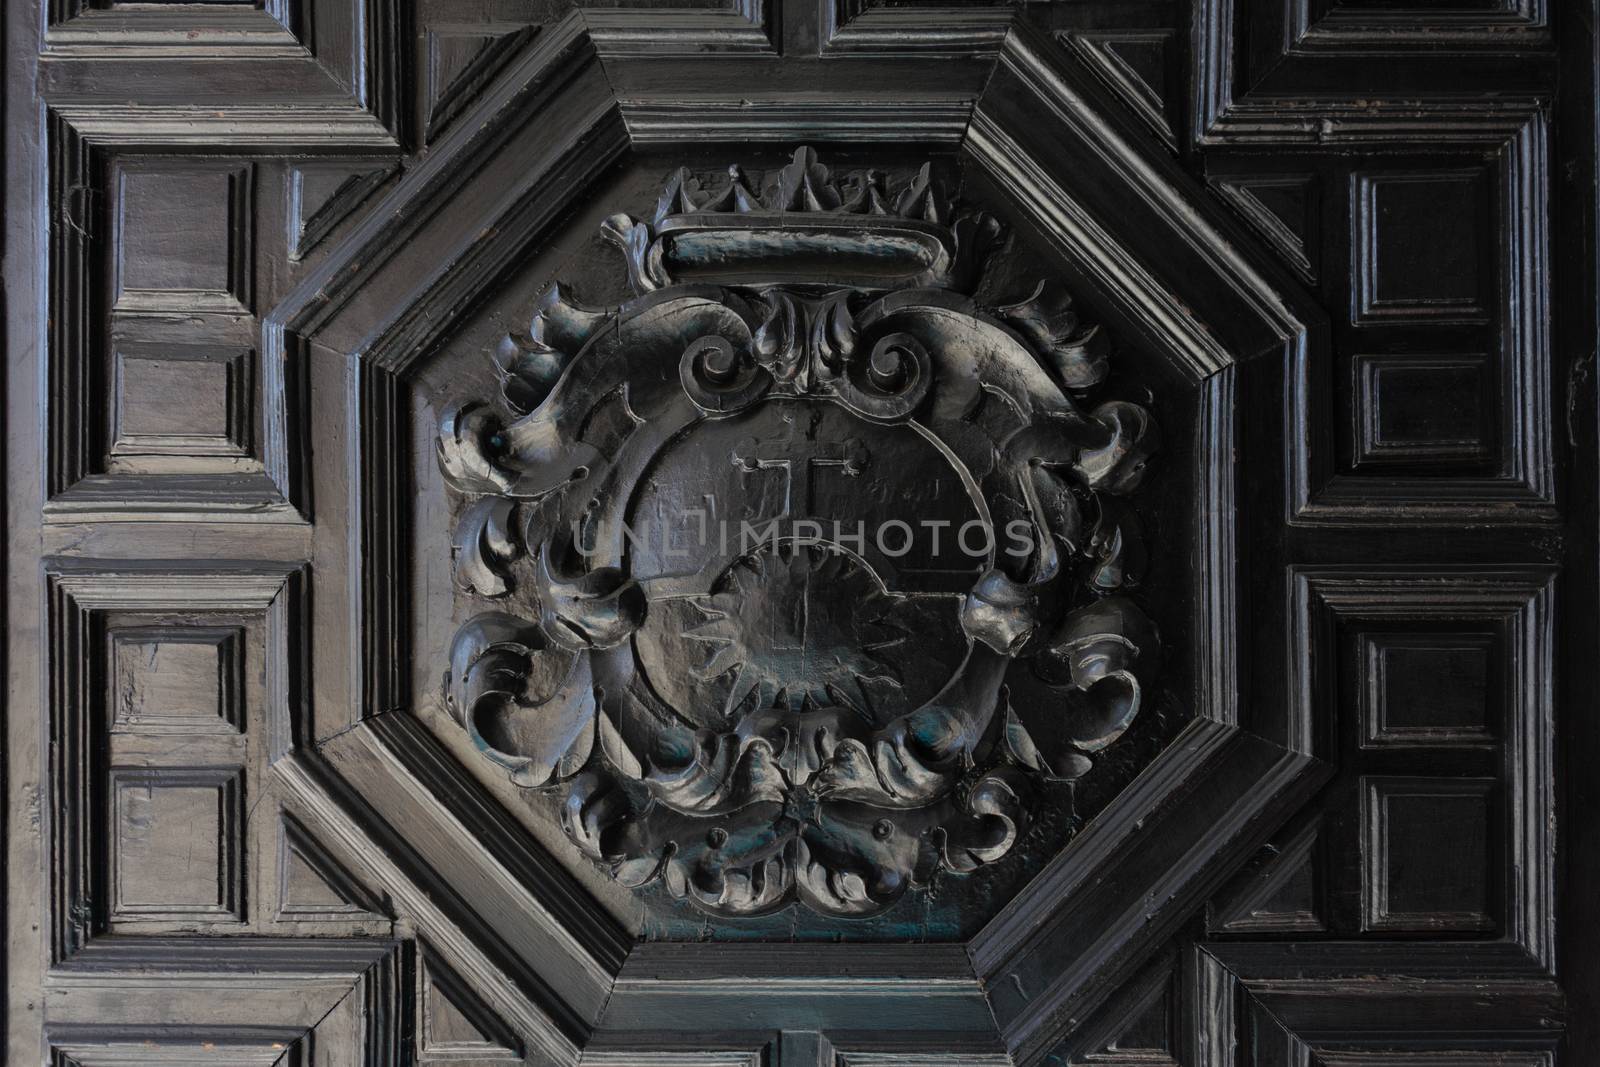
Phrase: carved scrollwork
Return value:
(585, 609)
(719, 378)
(486, 545)
(807, 703)
(1080, 355)
(526, 705)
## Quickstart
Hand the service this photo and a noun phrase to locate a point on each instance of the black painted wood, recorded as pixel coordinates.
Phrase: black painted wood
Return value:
(1273, 320)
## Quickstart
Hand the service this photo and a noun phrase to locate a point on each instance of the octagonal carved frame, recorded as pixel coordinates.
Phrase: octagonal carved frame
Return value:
(1126, 224)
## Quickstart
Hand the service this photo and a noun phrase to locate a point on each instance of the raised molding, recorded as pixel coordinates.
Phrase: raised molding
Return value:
(1174, 820)
(441, 993)
(855, 27)
(356, 902)
(1519, 600)
(79, 28)
(1510, 25)
(1523, 490)
(1391, 1003)
(1120, 1033)
(314, 213)
(654, 1054)
(1247, 905)
(81, 594)
(229, 446)
(225, 786)
(1380, 856)
(1367, 245)
(940, 118)
(1374, 386)
(1217, 537)
(452, 86)
(434, 911)
(137, 658)
(334, 63)
(349, 1000)
(1296, 245)
(1390, 103)
(670, 988)
(1098, 48)
(233, 233)
(748, 29)
(80, 485)
(378, 509)
(554, 83)
(1249, 316)
(411, 780)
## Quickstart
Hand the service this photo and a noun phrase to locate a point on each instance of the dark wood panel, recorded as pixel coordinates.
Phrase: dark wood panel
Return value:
(1271, 323)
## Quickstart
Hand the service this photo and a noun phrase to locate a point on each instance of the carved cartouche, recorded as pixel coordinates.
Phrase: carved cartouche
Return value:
(754, 670)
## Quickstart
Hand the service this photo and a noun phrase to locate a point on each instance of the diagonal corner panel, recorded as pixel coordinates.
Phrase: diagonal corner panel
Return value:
(1176, 826)
(1093, 220)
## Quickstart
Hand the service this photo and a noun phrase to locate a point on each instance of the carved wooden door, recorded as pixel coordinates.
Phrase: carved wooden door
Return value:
(809, 533)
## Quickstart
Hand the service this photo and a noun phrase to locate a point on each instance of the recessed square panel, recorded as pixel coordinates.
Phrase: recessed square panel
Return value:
(1428, 854)
(1429, 1056)
(1421, 247)
(176, 679)
(1427, 689)
(1421, 10)
(182, 236)
(181, 401)
(1423, 409)
(176, 847)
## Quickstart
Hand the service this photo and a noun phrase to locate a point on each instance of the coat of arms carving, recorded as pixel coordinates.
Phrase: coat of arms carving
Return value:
(810, 565)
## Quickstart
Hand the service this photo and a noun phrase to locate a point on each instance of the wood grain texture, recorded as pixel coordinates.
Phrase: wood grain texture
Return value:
(1344, 252)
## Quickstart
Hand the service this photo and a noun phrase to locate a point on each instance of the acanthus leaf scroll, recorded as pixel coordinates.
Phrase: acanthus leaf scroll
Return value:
(815, 716)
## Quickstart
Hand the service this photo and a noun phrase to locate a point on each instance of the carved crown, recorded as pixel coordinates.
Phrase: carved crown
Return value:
(804, 225)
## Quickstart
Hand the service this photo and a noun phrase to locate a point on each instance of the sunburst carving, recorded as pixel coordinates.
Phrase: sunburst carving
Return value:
(800, 626)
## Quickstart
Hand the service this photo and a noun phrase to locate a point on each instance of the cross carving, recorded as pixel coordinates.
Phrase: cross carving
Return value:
(790, 452)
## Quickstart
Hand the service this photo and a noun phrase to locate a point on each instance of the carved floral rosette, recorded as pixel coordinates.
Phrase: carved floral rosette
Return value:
(814, 716)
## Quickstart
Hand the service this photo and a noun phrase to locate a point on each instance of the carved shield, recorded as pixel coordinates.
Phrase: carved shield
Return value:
(806, 583)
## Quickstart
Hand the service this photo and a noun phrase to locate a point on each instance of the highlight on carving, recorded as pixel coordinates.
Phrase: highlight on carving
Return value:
(835, 711)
